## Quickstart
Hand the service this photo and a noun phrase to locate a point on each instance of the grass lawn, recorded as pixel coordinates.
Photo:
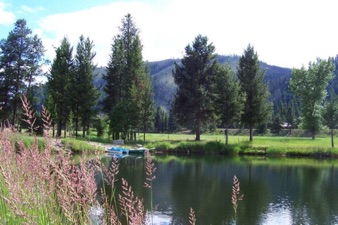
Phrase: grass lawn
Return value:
(273, 145)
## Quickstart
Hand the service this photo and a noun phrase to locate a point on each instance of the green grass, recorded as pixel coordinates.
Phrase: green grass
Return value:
(210, 143)
(270, 145)
(79, 145)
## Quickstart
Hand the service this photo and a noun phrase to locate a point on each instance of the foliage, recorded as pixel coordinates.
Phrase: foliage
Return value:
(58, 84)
(100, 124)
(229, 100)
(21, 59)
(84, 91)
(330, 114)
(193, 100)
(128, 84)
(309, 85)
(257, 107)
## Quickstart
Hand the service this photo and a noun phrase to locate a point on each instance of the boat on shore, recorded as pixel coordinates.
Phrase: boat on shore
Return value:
(138, 150)
(118, 150)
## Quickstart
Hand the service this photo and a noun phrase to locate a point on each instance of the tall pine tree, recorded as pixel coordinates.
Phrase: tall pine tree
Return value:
(229, 100)
(257, 108)
(85, 93)
(59, 82)
(128, 85)
(21, 58)
(194, 78)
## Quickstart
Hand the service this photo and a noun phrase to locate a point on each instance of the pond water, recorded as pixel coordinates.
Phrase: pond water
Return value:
(276, 191)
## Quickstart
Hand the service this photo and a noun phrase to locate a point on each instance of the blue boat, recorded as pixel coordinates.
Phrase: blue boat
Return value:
(118, 150)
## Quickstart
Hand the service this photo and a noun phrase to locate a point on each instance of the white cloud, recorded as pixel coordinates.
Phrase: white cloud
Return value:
(284, 33)
(6, 17)
(27, 9)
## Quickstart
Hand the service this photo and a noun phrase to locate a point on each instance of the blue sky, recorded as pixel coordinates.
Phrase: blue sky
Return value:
(285, 33)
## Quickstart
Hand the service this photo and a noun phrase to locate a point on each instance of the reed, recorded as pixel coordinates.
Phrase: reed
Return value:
(236, 196)
(41, 186)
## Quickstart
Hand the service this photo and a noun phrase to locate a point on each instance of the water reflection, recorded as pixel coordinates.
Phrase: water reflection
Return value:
(277, 191)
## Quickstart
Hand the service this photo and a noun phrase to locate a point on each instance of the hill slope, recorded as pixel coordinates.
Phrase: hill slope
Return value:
(165, 87)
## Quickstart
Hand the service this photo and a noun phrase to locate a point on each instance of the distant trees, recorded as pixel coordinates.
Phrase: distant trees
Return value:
(309, 85)
(257, 108)
(21, 58)
(128, 86)
(193, 101)
(229, 99)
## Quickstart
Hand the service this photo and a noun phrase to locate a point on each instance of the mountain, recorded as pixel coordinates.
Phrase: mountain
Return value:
(165, 87)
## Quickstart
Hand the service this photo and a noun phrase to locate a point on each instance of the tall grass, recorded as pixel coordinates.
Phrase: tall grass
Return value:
(45, 187)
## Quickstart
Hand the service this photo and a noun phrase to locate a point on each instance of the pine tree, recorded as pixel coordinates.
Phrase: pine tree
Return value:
(257, 108)
(194, 78)
(85, 91)
(21, 58)
(59, 82)
(229, 101)
(128, 82)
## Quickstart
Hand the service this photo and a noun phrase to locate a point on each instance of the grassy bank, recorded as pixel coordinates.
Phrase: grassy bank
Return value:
(262, 145)
(209, 144)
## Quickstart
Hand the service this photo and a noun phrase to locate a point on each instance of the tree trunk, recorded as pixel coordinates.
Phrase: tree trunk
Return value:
(83, 130)
(59, 128)
(198, 130)
(313, 135)
(76, 125)
(332, 141)
(144, 134)
(226, 132)
(251, 135)
(65, 131)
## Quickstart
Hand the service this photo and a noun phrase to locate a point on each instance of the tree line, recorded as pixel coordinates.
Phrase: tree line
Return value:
(208, 93)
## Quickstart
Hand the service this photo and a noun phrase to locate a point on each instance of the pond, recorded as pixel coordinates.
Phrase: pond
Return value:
(276, 190)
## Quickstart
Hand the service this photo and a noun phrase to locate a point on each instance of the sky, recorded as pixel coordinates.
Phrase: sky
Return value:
(286, 33)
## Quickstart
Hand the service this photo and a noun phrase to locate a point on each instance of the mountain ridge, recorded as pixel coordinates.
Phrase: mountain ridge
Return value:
(164, 86)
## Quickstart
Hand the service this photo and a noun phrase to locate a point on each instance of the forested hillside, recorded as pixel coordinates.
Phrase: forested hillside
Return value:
(165, 87)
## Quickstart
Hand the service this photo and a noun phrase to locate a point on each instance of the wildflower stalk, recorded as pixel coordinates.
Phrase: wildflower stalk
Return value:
(192, 217)
(28, 113)
(236, 196)
(150, 170)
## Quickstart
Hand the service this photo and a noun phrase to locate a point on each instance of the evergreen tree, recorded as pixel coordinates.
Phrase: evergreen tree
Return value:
(145, 104)
(117, 83)
(309, 85)
(194, 78)
(84, 89)
(257, 108)
(21, 58)
(59, 85)
(127, 81)
(229, 101)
